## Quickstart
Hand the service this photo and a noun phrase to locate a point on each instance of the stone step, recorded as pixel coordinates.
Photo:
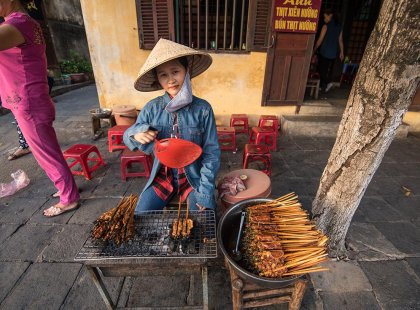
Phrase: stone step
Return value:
(321, 107)
(320, 126)
(310, 125)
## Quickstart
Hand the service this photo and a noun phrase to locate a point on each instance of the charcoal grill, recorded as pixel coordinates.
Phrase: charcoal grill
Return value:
(152, 239)
(153, 252)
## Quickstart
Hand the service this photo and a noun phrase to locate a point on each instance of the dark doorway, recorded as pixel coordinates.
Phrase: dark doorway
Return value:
(358, 17)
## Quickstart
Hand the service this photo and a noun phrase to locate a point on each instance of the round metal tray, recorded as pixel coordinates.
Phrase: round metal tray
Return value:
(101, 112)
(226, 236)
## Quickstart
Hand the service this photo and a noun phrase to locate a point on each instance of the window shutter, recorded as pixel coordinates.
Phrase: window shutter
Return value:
(155, 19)
(259, 24)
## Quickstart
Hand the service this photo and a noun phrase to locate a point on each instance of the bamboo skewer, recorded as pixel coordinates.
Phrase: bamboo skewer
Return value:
(303, 271)
(179, 214)
(188, 209)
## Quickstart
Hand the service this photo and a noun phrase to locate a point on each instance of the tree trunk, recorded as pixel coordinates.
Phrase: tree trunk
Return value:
(383, 89)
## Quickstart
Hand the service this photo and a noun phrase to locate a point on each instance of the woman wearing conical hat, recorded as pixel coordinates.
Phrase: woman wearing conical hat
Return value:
(176, 114)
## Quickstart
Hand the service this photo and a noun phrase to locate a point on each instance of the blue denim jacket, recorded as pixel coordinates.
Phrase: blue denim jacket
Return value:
(195, 123)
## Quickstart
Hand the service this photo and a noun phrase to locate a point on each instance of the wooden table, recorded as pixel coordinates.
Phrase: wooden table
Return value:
(97, 130)
(137, 267)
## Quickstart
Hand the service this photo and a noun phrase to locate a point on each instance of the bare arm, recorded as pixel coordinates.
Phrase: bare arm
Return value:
(10, 37)
(340, 43)
(321, 37)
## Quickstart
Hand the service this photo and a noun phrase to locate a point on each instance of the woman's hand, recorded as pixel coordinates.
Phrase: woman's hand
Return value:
(146, 137)
(200, 207)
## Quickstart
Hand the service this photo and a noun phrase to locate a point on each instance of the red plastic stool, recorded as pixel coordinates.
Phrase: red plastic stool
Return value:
(115, 137)
(255, 152)
(227, 138)
(80, 153)
(240, 123)
(264, 135)
(128, 157)
(269, 121)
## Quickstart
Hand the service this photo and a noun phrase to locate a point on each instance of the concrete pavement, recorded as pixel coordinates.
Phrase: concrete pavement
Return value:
(37, 270)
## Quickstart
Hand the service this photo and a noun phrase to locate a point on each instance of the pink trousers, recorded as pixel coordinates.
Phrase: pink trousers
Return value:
(37, 128)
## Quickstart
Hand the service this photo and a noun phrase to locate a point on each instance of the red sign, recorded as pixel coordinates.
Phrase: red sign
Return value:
(296, 15)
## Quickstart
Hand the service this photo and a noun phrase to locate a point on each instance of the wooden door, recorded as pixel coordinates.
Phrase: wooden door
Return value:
(287, 67)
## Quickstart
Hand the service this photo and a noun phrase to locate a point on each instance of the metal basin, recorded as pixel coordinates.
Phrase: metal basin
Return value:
(226, 236)
(101, 112)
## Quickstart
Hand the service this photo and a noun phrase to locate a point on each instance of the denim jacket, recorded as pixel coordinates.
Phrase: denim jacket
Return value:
(196, 123)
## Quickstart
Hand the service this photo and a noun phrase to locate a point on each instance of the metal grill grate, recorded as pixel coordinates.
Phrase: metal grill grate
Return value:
(152, 239)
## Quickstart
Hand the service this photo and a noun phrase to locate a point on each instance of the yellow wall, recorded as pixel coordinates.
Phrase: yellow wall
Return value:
(233, 84)
(413, 119)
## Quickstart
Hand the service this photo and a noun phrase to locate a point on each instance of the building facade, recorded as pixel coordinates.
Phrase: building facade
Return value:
(255, 70)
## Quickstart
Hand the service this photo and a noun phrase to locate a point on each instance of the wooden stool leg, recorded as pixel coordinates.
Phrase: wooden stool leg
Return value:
(237, 286)
(96, 124)
(297, 295)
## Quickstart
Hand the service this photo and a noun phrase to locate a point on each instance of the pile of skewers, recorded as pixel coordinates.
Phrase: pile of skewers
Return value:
(279, 239)
(181, 228)
(117, 224)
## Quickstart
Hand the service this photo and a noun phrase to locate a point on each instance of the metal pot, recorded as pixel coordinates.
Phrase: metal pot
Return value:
(226, 235)
(101, 112)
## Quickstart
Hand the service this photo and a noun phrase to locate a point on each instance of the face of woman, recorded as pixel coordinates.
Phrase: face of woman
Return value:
(327, 18)
(171, 76)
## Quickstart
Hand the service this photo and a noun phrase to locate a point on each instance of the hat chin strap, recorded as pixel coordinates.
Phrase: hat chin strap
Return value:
(182, 98)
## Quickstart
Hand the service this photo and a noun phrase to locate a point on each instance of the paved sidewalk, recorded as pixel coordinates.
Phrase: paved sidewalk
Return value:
(37, 269)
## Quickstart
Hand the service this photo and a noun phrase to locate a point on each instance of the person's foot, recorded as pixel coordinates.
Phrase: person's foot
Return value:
(60, 209)
(19, 153)
(329, 86)
(56, 194)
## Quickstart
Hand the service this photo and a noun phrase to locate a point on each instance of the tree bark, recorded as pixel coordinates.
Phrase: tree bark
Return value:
(386, 82)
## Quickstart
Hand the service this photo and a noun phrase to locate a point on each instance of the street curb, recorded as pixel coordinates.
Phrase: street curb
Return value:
(64, 89)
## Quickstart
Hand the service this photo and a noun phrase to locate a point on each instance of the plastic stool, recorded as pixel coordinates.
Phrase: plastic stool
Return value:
(264, 135)
(255, 152)
(115, 138)
(269, 121)
(227, 138)
(80, 153)
(240, 123)
(313, 85)
(128, 157)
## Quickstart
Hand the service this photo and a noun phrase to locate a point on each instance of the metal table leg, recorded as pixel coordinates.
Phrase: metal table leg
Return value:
(97, 279)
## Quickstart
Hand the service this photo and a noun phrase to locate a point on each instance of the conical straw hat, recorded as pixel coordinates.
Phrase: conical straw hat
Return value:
(164, 51)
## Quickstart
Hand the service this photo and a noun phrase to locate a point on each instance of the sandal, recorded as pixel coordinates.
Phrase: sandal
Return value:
(60, 209)
(19, 153)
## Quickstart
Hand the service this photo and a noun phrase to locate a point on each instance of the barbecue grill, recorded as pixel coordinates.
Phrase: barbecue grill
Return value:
(152, 250)
(152, 239)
